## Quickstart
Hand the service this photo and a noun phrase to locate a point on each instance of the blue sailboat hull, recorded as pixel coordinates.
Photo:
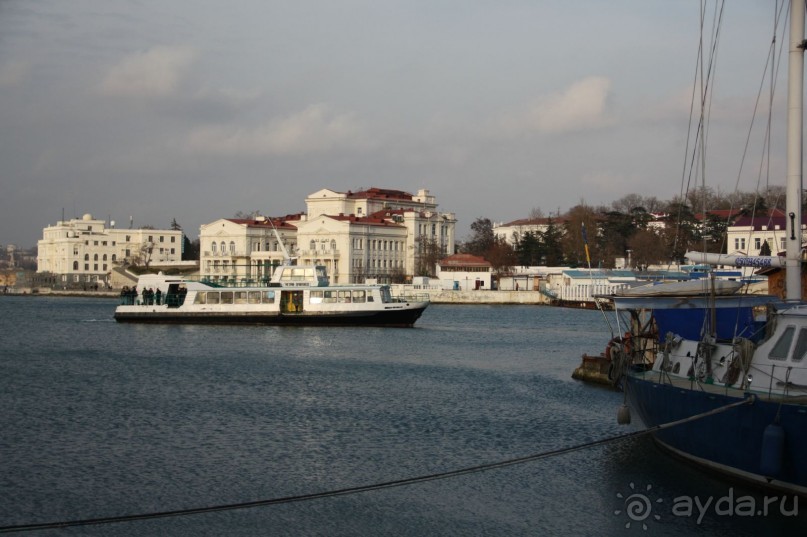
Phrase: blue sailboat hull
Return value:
(732, 442)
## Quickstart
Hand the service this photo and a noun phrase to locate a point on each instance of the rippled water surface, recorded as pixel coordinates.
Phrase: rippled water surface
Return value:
(100, 419)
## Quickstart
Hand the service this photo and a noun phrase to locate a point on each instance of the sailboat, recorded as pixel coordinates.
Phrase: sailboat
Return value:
(685, 354)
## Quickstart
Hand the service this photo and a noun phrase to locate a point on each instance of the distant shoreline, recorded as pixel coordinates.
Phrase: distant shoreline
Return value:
(82, 294)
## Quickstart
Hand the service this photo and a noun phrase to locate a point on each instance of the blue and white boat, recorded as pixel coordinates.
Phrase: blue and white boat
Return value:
(683, 352)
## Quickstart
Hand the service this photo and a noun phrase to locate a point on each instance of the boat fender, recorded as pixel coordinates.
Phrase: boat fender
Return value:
(772, 453)
(623, 415)
(615, 341)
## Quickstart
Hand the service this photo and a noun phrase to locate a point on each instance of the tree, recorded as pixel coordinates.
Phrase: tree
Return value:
(552, 239)
(429, 253)
(175, 226)
(482, 238)
(573, 246)
(529, 250)
(190, 249)
(502, 257)
(765, 249)
(647, 248)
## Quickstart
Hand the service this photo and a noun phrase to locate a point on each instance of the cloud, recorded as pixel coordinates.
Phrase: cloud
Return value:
(157, 72)
(13, 73)
(316, 129)
(583, 105)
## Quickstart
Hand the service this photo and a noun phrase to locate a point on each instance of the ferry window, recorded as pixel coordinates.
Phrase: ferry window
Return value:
(358, 296)
(330, 296)
(315, 297)
(779, 351)
(268, 297)
(212, 297)
(240, 297)
(370, 298)
(201, 298)
(801, 346)
(254, 297)
(226, 297)
(344, 296)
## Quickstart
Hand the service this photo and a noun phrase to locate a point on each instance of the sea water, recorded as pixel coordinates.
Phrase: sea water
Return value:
(99, 419)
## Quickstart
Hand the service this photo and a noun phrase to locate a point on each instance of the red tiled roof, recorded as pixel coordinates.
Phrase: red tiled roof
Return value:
(364, 220)
(464, 260)
(281, 222)
(770, 221)
(380, 193)
(536, 221)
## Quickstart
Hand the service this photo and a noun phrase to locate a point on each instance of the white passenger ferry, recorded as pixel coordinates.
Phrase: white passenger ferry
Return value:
(296, 295)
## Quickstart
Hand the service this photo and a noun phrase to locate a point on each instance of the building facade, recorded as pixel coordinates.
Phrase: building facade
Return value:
(85, 249)
(372, 234)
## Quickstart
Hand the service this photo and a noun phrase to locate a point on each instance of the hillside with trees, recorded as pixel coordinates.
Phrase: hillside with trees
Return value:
(654, 231)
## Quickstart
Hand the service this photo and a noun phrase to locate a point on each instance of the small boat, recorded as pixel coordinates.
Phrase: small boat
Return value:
(296, 295)
(688, 287)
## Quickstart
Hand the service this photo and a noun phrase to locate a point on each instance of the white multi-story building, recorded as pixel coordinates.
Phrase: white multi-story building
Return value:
(376, 233)
(748, 234)
(85, 249)
(513, 232)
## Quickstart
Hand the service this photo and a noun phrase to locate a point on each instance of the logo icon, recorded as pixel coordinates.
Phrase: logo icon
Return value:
(637, 506)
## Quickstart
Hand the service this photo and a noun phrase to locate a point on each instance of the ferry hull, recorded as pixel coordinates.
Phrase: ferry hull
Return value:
(397, 317)
(731, 442)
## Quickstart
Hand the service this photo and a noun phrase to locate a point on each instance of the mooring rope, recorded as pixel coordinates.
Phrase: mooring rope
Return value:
(367, 488)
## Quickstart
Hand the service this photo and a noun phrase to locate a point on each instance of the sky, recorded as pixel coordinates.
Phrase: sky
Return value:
(147, 111)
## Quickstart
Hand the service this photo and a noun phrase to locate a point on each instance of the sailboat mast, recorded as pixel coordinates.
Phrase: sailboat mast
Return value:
(795, 121)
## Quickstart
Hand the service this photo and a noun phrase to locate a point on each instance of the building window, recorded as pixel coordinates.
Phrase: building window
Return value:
(333, 245)
(162, 238)
(757, 243)
(173, 239)
(75, 265)
(232, 247)
(86, 266)
(104, 258)
(213, 247)
(95, 257)
(783, 243)
(114, 258)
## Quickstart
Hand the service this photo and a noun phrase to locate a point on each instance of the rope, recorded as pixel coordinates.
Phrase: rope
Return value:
(367, 488)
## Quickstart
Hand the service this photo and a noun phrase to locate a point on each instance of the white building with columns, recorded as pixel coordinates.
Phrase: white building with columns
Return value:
(374, 233)
(86, 249)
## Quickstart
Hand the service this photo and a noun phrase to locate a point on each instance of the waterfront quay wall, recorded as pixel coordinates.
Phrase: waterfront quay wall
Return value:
(479, 296)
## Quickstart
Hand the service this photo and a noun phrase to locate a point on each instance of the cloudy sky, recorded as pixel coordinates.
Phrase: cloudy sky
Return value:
(195, 110)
